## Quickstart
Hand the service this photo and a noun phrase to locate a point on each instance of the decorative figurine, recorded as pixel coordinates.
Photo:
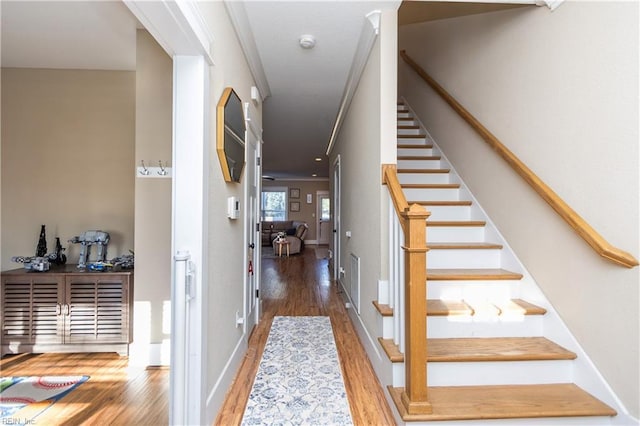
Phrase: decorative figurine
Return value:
(58, 258)
(41, 250)
(35, 263)
(87, 239)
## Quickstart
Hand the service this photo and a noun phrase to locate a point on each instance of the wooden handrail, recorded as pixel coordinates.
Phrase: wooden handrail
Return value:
(580, 226)
(412, 218)
(390, 178)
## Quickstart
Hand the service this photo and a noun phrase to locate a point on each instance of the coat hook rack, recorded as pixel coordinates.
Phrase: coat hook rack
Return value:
(162, 171)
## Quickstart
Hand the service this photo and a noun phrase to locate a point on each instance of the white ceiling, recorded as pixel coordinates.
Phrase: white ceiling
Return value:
(306, 85)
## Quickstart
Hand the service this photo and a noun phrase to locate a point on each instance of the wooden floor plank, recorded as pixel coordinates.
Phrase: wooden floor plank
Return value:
(115, 393)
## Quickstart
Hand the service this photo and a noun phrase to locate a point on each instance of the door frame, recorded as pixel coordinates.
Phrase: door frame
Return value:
(335, 217)
(252, 224)
(179, 30)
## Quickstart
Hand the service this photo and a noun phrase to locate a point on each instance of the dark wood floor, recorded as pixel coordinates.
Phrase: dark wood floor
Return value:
(118, 394)
(301, 285)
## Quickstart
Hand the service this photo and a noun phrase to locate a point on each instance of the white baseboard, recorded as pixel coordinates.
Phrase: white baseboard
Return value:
(225, 379)
(150, 354)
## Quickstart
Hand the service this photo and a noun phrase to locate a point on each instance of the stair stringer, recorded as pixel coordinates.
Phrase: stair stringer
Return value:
(584, 372)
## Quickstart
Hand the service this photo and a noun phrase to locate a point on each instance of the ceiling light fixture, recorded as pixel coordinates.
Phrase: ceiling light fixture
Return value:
(307, 41)
(318, 159)
(314, 175)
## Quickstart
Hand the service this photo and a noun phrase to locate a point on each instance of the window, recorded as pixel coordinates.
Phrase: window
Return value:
(325, 208)
(274, 204)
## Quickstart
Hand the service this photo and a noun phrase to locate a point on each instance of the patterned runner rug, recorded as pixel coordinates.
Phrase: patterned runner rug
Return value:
(22, 399)
(299, 381)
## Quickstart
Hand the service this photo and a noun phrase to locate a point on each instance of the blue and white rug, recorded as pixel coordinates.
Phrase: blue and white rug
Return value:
(299, 381)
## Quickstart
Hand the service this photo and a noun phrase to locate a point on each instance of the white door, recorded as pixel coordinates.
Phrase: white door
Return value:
(336, 220)
(252, 216)
(323, 215)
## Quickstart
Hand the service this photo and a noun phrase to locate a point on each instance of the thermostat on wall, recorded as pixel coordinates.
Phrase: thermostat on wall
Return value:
(233, 208)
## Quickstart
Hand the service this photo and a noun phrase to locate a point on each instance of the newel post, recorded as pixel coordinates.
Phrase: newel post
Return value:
(414, 397)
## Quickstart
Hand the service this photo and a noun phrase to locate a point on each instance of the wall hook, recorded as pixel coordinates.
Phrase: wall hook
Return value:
(163, 170)
(144, 171)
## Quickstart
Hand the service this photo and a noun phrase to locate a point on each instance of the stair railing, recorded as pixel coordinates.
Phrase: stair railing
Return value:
(579, 225)
(412, 220)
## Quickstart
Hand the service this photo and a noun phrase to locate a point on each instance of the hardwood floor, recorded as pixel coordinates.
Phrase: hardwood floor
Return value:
(301, 285)
(114, 395)
(117, 394)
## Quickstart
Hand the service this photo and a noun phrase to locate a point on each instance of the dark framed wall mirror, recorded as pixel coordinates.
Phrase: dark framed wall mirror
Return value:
(230, 135)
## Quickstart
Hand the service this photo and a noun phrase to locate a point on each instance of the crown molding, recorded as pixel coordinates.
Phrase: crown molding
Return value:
(368, 36)
(240, 21)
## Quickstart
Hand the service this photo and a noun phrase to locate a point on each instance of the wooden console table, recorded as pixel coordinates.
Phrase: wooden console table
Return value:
(66, 309)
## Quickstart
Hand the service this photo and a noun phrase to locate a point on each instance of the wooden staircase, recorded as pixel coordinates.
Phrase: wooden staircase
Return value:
(487, 354)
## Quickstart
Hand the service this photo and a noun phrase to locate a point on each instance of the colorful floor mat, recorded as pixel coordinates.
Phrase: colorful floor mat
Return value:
(299, 381)
(22, 399)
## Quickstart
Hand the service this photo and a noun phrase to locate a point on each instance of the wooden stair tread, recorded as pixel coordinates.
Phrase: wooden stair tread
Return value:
(471, 274)
(391, 349)
(384, 309)
(505, 402)
(409, 127)
(456, 223)
(461, 246)
(424, 171)
(442, 203)
(438, 307)
(430, 185)
(409, 146)
(412, 136)
(495, 349)
(419, 157)
(521, 307)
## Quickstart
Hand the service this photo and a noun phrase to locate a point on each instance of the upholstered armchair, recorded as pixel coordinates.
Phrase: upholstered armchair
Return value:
(295, 239)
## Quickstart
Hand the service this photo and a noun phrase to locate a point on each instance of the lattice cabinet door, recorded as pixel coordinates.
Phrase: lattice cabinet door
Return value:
(31, 310)
(97, 309)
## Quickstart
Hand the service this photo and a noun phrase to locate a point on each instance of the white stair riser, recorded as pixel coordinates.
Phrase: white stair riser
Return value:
(398, 374)
(418, 164)
(490, 326)
(473, 290)
(387, 327)
(404, 114)
(439, 194)
(455, 234)
(449, 212)
(414, 141)
(408, 131)
(422, 140)
(406, 121)
(464, 258)
(423, 177)
(415, 151)
(498, 373)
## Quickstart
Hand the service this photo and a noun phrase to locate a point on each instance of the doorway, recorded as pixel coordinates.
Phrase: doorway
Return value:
(323, 217)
